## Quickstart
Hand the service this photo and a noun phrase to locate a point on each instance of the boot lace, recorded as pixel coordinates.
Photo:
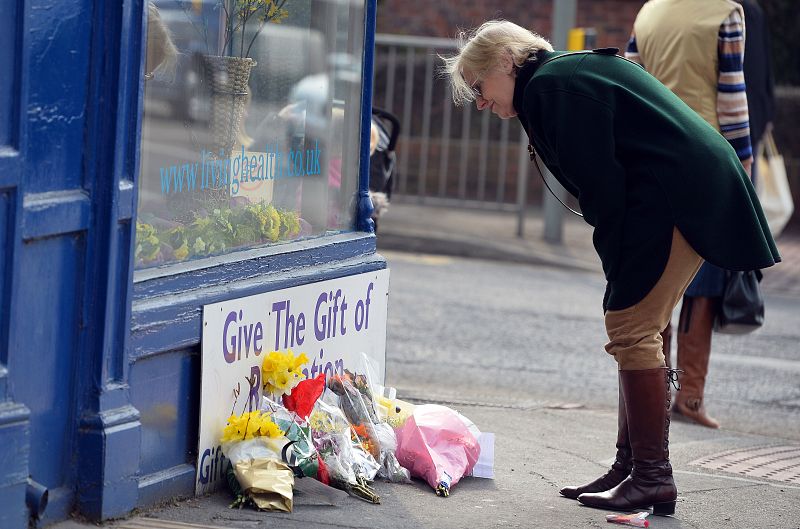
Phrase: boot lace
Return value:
(672, 378)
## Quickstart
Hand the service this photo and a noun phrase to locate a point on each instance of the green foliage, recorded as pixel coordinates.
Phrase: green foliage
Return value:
(290, 224)
(216, 233)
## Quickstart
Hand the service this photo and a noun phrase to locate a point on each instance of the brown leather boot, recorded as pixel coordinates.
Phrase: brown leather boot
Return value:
(622, 465)
(694, 350)
(646, 393)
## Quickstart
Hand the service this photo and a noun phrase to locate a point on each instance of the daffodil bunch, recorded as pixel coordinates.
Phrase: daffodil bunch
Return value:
(250, 425)
(281, 372)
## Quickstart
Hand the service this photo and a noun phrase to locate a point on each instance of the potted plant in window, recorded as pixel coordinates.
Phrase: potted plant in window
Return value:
(228, 74)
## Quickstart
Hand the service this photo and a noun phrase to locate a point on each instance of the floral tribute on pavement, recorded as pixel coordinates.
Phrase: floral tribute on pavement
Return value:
(344, 431)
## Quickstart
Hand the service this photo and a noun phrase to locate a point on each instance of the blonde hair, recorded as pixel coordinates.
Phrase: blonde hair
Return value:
(161, 52)
(480, 50)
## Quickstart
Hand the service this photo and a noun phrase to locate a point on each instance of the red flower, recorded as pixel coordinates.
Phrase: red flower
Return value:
(302, 399)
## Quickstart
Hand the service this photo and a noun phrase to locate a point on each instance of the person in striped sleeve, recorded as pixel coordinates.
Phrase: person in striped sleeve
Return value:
(696, 48)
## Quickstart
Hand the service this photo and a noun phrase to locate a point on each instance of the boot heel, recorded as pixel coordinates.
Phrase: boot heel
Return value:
(664, 509)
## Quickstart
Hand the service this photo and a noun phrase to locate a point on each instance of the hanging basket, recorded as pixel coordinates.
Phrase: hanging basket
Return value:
(227, 79)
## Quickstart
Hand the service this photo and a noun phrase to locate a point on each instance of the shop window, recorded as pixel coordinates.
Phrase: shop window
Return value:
(250, 132)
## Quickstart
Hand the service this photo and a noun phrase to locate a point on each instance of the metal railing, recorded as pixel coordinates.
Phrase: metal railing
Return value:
(444, 158)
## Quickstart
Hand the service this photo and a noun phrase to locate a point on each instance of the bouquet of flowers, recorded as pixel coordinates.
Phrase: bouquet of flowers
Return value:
(253, 444)
(256, 442)
(300, 453)
(357, 394)
(439, 445)
(349, 465)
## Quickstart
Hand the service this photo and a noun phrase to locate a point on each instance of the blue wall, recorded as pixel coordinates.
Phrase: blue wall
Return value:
(100, 369)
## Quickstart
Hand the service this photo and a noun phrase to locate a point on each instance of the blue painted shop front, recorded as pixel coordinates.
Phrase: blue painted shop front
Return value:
(99, 333)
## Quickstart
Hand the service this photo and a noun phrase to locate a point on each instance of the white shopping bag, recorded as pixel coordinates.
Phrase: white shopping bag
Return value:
(772, 186)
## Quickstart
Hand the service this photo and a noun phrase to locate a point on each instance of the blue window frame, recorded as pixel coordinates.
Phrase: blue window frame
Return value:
(251, 125)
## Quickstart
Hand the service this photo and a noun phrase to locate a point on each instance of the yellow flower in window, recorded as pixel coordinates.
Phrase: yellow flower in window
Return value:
(182, 252)
(273, 223)
(281, 372)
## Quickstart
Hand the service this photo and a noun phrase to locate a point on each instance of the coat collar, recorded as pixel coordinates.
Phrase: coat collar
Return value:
(524, 75)
(526, 72)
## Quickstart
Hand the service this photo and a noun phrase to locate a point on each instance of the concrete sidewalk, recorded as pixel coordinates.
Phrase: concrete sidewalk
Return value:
(485, 234)
(725, 478)
(539, 448)
(492, 235)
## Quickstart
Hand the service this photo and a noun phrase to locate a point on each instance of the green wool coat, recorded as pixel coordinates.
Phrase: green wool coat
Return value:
(639, 161)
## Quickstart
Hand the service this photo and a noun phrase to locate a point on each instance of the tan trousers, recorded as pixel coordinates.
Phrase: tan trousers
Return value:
(635, 332)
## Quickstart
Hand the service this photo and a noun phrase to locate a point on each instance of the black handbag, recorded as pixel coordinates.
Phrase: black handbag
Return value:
(742, 308)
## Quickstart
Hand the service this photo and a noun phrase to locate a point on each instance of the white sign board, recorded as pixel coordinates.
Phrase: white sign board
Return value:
(332, 322)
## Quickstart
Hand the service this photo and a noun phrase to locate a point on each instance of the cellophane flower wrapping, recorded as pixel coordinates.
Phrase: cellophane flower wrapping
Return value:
(350, 467)
(255, 448)
(437, 445)
(252, 435)
(302, 454)
(357, 394)
(330, 433)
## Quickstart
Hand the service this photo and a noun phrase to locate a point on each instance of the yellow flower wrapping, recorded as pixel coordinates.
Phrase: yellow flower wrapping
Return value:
(269, 483)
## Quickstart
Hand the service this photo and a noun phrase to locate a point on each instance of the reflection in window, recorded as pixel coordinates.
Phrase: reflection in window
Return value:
(250, 133)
